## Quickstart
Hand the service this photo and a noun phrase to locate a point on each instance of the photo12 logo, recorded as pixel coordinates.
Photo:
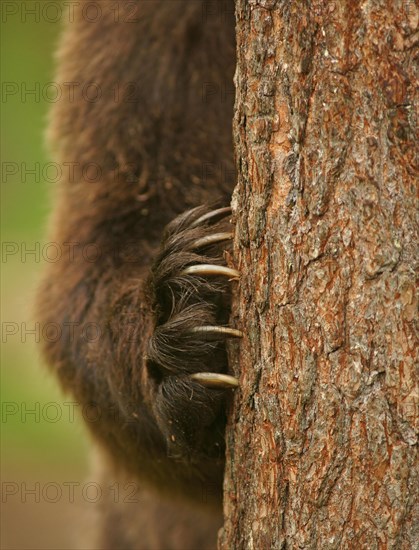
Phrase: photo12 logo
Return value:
(69, 491)
(34, 11)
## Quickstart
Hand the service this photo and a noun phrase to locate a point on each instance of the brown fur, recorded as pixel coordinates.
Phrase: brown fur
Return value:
(161, 139)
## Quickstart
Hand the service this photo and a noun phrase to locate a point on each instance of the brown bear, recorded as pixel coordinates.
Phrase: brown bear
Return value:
(142, 294)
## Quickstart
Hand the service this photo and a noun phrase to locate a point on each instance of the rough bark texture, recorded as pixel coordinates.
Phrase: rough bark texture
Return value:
(321, 446)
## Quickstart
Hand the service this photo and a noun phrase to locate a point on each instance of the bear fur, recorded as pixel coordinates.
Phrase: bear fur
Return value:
(143, 136)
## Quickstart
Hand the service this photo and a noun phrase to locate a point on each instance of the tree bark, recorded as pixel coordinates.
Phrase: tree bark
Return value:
(321, 441)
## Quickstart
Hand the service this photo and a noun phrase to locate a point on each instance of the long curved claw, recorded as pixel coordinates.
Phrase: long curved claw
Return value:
(226, 331)
(209, 269)
(215, 380)
(218, 213)
(212, 239)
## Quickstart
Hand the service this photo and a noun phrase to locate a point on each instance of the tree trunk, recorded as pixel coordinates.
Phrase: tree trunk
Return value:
(321, 442)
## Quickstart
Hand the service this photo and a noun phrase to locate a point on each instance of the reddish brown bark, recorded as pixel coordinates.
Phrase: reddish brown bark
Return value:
(321, 446)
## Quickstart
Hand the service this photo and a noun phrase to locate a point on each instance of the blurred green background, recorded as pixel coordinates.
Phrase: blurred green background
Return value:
(44, 451)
